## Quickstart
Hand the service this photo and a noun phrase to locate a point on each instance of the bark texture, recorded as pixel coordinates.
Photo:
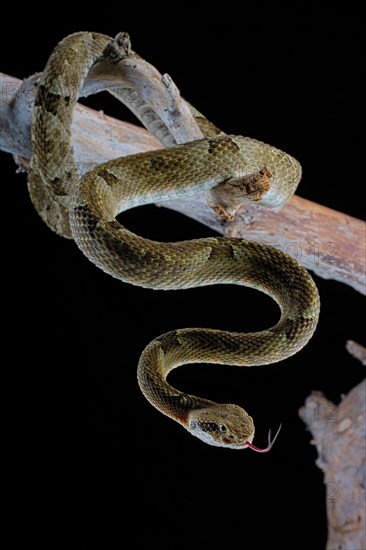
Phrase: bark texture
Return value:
(339, 434)
(329, 243)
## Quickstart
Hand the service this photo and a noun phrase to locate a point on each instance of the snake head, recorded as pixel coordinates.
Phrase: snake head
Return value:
(222, 426)
(227, 426)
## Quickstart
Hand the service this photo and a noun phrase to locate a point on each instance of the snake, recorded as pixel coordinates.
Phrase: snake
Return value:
(85, 209)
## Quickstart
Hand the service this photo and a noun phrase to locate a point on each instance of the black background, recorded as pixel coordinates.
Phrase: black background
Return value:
(90, 457)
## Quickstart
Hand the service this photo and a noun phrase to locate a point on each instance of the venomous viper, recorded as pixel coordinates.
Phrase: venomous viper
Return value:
(86, 211)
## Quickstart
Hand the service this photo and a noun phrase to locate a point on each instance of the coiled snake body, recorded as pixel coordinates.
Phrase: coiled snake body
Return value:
(86, 210)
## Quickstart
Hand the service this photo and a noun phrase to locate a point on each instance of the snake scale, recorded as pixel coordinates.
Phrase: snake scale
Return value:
(86, 209)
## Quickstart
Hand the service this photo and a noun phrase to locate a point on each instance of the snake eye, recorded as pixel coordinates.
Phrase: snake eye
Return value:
(222, 428)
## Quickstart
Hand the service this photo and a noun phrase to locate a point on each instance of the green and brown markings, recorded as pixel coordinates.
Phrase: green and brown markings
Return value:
(225, 168)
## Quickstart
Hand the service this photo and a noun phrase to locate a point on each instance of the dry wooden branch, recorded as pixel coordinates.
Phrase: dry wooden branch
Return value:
(357, 351)
(328, 242)
(339, 434)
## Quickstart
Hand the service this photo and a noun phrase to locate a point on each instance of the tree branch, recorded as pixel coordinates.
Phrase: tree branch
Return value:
(328, 242)
(357, 351)
(339, 434)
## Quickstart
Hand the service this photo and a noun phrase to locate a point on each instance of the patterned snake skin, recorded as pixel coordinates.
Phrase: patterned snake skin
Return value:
(86, 210)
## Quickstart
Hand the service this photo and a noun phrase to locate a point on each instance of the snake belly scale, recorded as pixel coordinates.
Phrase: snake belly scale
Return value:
(86, 209)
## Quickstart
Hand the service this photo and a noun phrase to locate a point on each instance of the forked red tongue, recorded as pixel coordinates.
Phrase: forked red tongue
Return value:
(270, 443)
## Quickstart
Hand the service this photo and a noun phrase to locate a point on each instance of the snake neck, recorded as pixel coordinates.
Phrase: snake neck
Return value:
(159, 358)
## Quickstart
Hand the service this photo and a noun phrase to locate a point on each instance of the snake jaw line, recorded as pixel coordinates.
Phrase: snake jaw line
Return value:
(221, 425)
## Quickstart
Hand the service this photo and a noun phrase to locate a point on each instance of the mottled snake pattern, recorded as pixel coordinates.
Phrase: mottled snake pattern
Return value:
(85, 209)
